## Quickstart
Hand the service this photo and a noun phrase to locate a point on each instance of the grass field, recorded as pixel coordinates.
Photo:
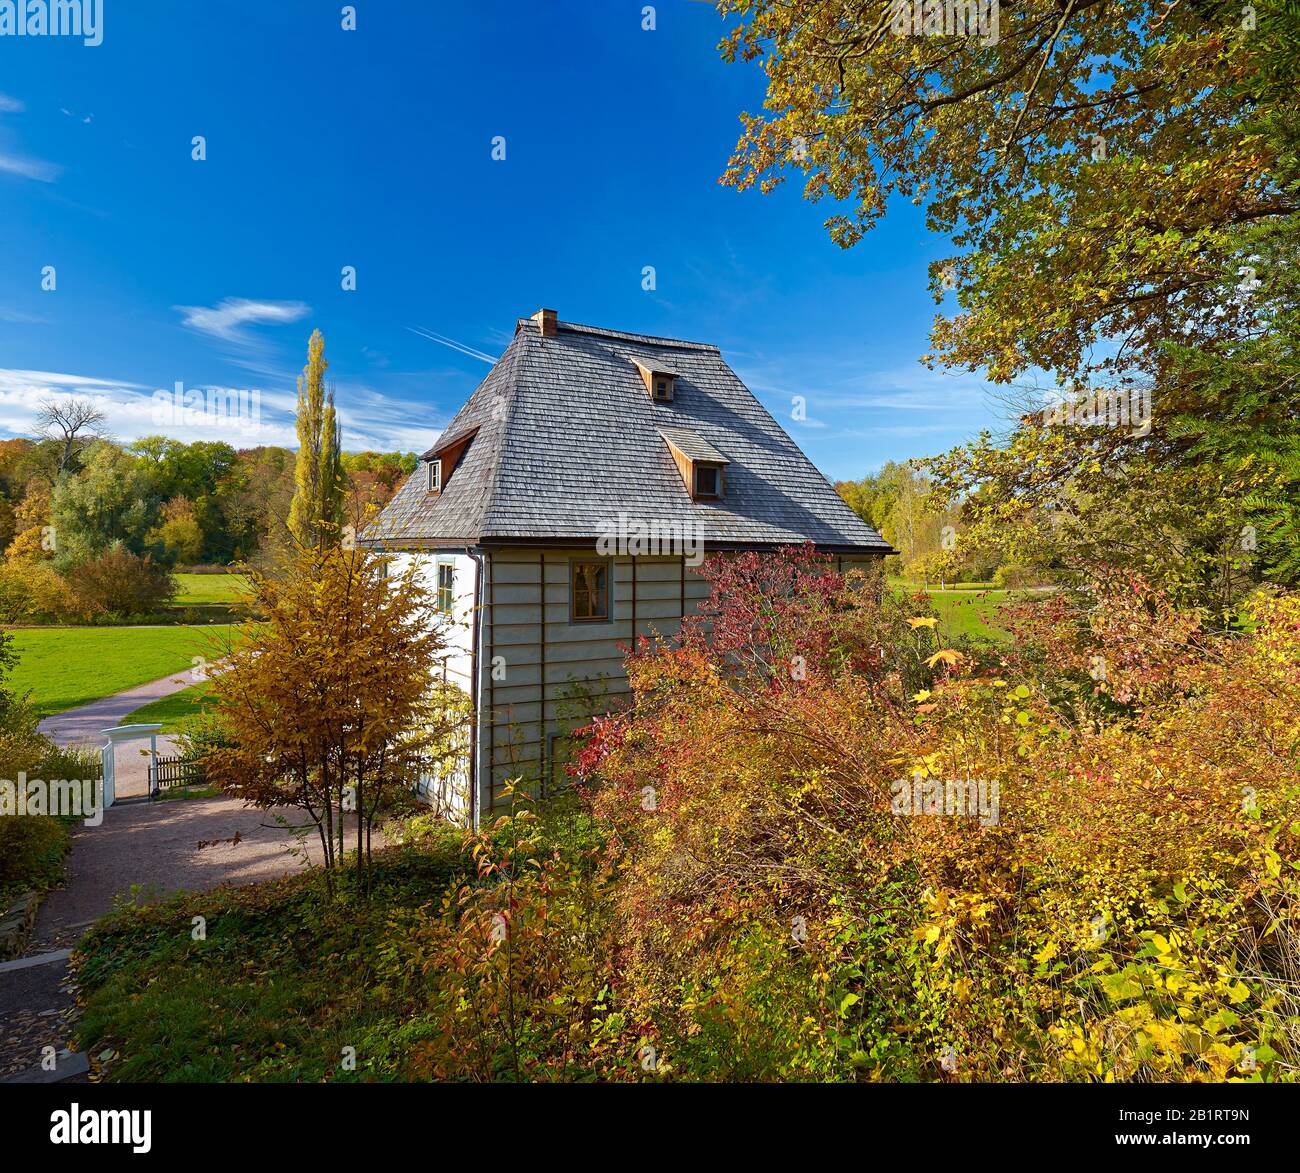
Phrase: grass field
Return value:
(969, 609)
(260, 999)
(171, 710)
(63, 667)
(971, 613)
(199, 590)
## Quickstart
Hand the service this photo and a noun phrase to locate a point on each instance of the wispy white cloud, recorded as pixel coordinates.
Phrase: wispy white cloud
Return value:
(14, 162)
(229, 319)
(131, 410)
(20, 316)
(29, 168)
(370, 419)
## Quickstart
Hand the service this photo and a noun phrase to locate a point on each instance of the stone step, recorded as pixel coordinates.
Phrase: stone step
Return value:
(39, 959)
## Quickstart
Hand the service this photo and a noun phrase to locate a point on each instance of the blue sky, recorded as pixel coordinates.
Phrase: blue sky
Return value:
(373, 148)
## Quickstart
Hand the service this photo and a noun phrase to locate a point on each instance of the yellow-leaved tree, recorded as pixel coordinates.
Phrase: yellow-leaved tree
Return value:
(332, 696)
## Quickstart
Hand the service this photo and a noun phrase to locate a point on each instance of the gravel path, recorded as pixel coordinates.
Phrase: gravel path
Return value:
(153, 848)
(86, 725)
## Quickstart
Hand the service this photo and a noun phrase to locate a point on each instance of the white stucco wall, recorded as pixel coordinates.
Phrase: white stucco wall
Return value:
(458, 626)
(449, 794)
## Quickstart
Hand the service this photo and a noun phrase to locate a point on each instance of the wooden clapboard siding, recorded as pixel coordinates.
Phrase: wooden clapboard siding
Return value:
(527, 624)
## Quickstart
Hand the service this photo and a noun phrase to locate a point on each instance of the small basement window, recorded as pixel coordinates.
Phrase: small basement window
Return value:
(446, 586)
(589, 592)
(435, 476)
(708, 480)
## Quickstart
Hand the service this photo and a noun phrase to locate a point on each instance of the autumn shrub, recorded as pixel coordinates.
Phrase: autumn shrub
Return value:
(118, 582)
(31, 590)
(32, 846)
(1124, 910)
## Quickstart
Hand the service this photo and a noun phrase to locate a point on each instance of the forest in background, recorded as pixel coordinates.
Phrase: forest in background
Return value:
(92, 527)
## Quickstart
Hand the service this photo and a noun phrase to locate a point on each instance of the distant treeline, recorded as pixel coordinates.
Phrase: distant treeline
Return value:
(204, 502)
(94, 527)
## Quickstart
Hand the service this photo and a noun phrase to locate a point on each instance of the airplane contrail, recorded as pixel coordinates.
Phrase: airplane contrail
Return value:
(451, 342)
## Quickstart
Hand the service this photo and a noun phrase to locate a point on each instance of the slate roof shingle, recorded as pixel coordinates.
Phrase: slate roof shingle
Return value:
(567, 438)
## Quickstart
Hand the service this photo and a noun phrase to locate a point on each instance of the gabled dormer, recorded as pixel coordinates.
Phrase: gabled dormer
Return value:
(701, 465)
(659, 381)
(441, 460)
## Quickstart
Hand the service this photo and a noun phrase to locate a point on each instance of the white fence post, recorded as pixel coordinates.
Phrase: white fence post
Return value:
(107, 759)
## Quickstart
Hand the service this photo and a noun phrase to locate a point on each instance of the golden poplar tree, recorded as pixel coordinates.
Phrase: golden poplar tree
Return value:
(315, 514)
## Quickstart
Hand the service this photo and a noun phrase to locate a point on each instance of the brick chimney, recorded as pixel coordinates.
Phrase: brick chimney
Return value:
(546, 323)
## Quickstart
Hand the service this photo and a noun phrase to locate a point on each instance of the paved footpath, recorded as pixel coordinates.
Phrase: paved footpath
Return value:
(142, 850)
(86, 725)
(153, 848)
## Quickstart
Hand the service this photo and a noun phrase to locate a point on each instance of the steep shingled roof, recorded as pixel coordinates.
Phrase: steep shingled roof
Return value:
(567, 438)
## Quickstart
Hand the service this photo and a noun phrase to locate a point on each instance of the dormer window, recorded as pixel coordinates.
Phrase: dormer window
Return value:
(442, 461)
(708, 480)
(658, 381)
(699, 463)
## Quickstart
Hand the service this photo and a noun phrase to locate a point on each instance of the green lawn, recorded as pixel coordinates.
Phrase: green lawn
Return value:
(63, 667)
(171, 710)
(971, 613)
(198, 590)
(966, 609)
(284, 982)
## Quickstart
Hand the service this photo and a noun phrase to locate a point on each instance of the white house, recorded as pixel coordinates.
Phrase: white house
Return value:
(564, 510)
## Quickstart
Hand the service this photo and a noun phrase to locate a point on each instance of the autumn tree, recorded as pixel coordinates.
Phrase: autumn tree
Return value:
(315, 515)
(178, 532)
(70, 424)
(333, 697)
(1120, 186)
(31, 523)
(111, 500)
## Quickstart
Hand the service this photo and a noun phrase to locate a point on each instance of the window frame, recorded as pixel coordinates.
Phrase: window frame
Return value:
(433, 483)
(608, 565)
(697, 492)
(449, 566)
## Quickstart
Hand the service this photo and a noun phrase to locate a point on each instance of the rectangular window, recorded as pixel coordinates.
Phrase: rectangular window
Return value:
(446, 586)
(589, 595)
(708, 481)
(435, 476)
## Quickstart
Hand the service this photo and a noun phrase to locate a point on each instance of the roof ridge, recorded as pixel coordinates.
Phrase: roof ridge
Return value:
(624, 336)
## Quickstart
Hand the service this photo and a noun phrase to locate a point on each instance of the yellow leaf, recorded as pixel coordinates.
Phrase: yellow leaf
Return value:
(947, 655)
(919, 622)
